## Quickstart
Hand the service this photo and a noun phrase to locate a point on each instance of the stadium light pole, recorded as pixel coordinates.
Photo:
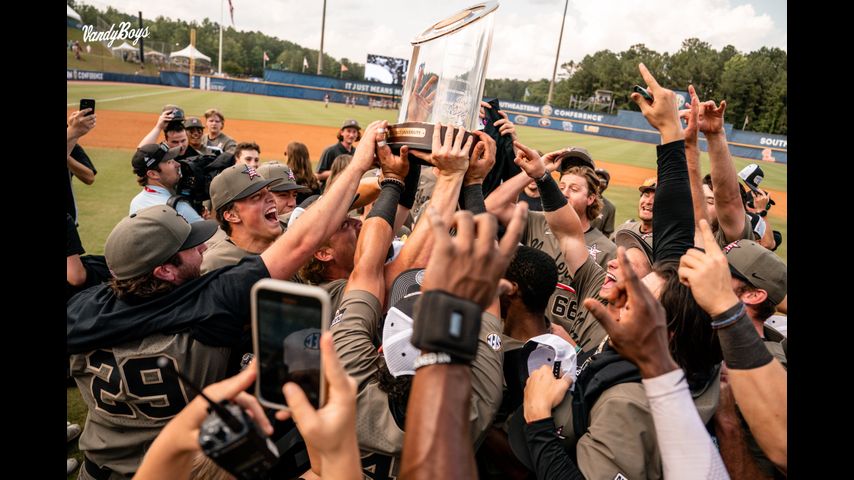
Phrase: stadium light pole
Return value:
(559, 40)
(322, 28)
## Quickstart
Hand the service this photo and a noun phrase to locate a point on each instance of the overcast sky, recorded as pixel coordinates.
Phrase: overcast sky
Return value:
(525, 38)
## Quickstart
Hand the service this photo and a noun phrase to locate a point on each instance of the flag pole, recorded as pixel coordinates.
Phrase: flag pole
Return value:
(221, 19)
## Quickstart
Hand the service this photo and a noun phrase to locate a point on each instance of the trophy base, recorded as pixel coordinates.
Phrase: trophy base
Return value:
(418, 136)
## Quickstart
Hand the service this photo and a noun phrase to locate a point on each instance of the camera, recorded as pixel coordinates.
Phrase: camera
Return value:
(197, 173)
(237, 445)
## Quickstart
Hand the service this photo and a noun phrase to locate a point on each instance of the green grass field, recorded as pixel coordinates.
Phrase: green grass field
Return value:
(104, 203)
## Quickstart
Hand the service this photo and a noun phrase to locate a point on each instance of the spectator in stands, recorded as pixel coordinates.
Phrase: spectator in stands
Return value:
(349, 133)
(247, 153)
(158, 173)
(300, 163)
(215, 121)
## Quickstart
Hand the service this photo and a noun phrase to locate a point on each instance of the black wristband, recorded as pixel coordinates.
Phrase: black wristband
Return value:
(385, 206)
(407, 198)
(741, 345)
(550, 194)
(471, 199)
(446, 323)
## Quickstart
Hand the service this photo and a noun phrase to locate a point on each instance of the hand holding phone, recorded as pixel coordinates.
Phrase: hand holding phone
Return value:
(644, 92)
(87, 103)
(287, 321)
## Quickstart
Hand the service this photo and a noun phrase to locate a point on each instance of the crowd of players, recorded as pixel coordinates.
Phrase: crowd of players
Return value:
(640, 351)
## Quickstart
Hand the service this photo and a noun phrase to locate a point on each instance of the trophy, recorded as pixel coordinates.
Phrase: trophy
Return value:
(445, 80)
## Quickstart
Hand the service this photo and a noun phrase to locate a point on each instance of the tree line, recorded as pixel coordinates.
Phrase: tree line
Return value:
(753, 84)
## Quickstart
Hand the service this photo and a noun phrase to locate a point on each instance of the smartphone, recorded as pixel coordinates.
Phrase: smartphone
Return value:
(87, 103)
(287, 320)
(644, 92)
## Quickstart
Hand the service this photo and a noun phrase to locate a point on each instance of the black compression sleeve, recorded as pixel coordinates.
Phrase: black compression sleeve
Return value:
(471, 199)
(550, 458)
(550, 194)
(385, 205)
(672, 211)
(740, 343)
(407, 198)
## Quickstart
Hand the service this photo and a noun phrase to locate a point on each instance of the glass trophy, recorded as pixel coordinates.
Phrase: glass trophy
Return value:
(445, 80)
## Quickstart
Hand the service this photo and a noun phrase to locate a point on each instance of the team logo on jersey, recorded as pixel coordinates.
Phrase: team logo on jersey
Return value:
(251, 172)
(339, 314)
(312, 341)
(620, 476)
(594, 252)
(494, 341)
(731, 246)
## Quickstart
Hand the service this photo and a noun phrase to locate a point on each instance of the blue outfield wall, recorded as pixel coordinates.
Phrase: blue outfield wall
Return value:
(89, 75)
(626, 124)
(630, 125)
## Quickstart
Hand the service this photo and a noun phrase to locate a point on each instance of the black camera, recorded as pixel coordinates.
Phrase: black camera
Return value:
(237, 445)
(197, 173)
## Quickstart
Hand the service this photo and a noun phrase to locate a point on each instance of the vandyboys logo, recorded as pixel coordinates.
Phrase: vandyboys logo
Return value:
(124, 32)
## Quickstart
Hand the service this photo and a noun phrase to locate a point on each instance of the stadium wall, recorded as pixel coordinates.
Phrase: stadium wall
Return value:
(625, 124)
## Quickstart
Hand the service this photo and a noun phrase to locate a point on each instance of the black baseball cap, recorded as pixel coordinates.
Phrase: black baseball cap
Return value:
(576, 156)
(147, 157)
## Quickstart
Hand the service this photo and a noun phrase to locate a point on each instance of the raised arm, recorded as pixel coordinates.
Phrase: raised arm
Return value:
(376, 234)
(450, 158)
(79, 124)
(728, 205)
(162, 121)
(290, 251)
(561, 217)
(692, 157)
(759, 382)
(467, 269)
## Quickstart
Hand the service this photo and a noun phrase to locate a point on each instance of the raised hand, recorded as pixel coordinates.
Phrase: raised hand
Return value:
(707, 275)
(662, 112)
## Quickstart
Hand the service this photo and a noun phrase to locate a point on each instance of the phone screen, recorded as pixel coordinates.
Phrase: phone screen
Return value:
(289, 328)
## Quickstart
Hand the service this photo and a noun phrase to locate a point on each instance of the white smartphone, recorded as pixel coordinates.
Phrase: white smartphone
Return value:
(287, 321)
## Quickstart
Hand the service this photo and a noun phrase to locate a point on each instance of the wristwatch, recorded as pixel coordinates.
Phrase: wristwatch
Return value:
(432, 358)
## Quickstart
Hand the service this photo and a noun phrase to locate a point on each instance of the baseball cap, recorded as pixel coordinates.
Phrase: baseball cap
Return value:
(282, 177)
(350, 123)
(177, 115)
(602, 173)
(234, 183)
(193, 122)
(147, 157)
(576, 156)
(549, 349)
(752, 176)
(149, 237)
(759, 267)
(630, 239)
(398, 351)
(648, 184)
(302, 350)
(407, 282)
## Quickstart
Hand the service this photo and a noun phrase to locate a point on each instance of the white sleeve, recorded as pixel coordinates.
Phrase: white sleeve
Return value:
(686, 448)
(188, 213)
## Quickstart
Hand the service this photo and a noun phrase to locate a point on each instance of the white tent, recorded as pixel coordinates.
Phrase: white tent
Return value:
(72, 14)
(125, 47)
(154, 53)
(190, 52)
